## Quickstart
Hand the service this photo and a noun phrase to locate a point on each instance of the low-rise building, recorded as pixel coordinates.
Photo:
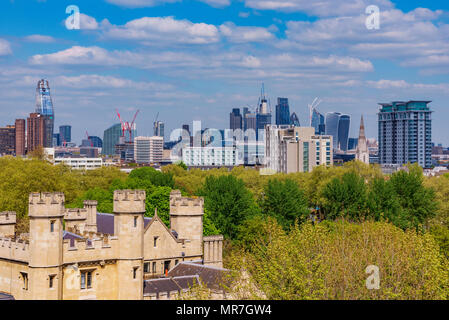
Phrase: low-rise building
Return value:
(81, 163)
(209, 156)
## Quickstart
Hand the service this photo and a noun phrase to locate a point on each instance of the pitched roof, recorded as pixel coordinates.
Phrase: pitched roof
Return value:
(105, 223)
(211, 276)
(71, 236)
(163, 285)
(5, 296)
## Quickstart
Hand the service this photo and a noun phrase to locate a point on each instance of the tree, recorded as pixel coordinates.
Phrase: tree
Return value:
(152, 175)
(228, 202)
(345, 197)
(284, 201)
(160, 199)
(383, 202)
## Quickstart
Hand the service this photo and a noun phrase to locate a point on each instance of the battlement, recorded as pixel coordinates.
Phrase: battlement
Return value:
(185, 206)
(82, 250)
(7, 217)
(16, 250)
(90, 203)
(46, 204)
(75, 214)
(213, 238)
(129, 201)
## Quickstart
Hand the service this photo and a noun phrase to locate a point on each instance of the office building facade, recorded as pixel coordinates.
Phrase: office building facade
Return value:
(148, 149)
(111, 137)
(405, 133)
(282, 112)
(235, 120)
(20, 126)
(7, 140)
(44, 107)
(35, 131)
(65, 134)
(332, 122)
(344, 124)
(318, 122)
(159, 129)
(209, 156)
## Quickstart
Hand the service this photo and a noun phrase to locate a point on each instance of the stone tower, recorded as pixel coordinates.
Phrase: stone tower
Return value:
(362, 153)
(129, 209)
(91, 219)
(7, 224)
(186, 218)
(46, 212)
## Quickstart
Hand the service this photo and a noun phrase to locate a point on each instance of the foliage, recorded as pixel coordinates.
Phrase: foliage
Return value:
(286, 202)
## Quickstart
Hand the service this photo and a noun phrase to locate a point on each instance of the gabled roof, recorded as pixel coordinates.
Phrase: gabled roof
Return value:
(105, 223)
(163, 285)
(211, 276)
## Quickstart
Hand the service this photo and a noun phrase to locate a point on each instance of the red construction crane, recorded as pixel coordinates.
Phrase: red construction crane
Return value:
(126, 126)
(130, 127)
(91, 143)
(123, 125)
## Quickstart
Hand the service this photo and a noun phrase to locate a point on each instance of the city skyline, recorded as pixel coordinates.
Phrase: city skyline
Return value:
(216, 58)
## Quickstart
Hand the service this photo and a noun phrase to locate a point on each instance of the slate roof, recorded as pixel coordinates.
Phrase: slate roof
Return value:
(71, 236)
(5, 296)
(105, 223)
(165, 285)
(211, 276)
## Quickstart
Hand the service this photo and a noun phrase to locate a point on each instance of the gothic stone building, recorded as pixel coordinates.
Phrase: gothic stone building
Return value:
(83, 254)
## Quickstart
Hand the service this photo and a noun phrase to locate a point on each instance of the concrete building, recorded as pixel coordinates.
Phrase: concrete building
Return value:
(7, 140)
(148, 149)
(296, 149)
(98, 255)
(20, 125)
(405, 133)
(81, 163)
(35, 131)
(209, 156)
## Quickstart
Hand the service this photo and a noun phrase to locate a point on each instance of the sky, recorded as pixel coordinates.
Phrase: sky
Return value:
(192, 60)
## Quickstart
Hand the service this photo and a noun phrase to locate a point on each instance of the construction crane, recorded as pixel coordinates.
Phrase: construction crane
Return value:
(130, 127)
(126, 126)
(121, 123)
(89, 139)
(312, 107)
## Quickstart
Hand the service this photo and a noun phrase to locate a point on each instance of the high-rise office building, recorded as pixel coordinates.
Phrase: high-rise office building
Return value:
(35, 131)
(343, 132)
(294, 120)
(332, 122)
(44, 107)
(148, 149)
(235, 119)
(65, 134)
(56, 139)
(263, 113)
(318, 122)
(96, 142)
(20, 125)
(158, 129)
(352, 144)
(405, 133)
(282, 112)
(111, 138)
(8, 140)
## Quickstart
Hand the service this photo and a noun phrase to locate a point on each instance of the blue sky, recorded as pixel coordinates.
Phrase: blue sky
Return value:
(196, 60)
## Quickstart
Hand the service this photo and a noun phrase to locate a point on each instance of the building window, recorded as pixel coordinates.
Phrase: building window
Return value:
(176, 262)
(51, 280)
(154, 267)
(135, 272)
(155, 241)
(52, 226)
(25, 280)
(146, 267)
(86, 279)
(135, 222)
(166, 266)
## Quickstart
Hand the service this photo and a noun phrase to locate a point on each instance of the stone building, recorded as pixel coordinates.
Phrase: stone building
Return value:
(83, 254)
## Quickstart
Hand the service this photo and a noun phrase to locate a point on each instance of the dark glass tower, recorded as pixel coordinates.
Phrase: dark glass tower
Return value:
(282, 112)
(235, 119)
(65, 134)
(294, 120)
(318, 122)
(343, 132)
(332, 122)
(44, 107)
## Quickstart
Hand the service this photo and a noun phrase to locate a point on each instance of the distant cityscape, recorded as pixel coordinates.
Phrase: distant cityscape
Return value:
(255, 137)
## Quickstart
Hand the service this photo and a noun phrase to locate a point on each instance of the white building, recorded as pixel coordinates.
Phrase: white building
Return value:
(81, 163)
(296, 149)
(148, 149)
(209, 156)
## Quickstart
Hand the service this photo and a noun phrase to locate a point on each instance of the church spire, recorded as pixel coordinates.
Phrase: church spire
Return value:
(362, 130)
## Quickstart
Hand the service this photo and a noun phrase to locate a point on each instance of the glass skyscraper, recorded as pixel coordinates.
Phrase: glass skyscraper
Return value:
(44, 107)
(235, 119)
(318, 122)
(332, 122)
(294, 120)
(405, 133)
(111, 138)
(343, 132)
(282, 112)
(65, 134)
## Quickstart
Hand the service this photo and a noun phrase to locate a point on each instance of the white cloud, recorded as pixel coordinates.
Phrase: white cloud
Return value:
(245, 34)
(38, 38)
(5, 48)
(140, 3)
(322, 8)
(164, 29)
(217, 3)
(88, 22)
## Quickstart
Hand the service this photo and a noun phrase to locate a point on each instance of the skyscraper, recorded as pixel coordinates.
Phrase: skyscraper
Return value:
(96, 142)
(318, 122)
(282, 112)
(263, 114)
(294, 120)
(158, 129)
(65, 134)
(343, 131)
(44, 107)
(35, 131)
(111, 138)
(235, 119)
(20, 137)
(362, 153)
(332, 122)
(405, 133)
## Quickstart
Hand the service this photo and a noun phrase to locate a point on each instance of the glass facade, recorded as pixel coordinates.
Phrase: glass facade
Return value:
(44, 107)
(65, 133)
(343, 131)
(318, 122)
(294, 120)
(332, 122)
(111, 138)
(282, 112)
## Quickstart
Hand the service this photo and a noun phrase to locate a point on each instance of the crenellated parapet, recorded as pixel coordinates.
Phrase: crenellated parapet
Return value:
(185, 206)
(47, 204)
(15, 250)
(7, 223)
(129, 201)
(96, 249)
(75, 214)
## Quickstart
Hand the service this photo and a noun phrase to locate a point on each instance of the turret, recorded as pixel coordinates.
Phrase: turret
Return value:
(129, 209)
(186, 218)
(7, 223)
(46, 212)
(91, 221)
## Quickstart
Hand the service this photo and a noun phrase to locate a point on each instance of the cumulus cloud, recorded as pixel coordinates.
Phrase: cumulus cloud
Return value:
(88, 22)
(38, 38)
(217, 3)
(140, 3)
(164, 29)
(245, 34)
(5, 48)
